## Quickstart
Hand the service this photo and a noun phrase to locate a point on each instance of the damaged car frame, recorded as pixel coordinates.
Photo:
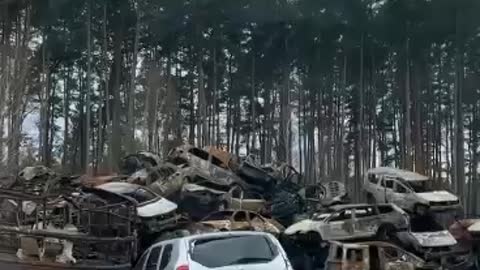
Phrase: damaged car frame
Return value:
(352, 221)
(59, 234)
(409, 190)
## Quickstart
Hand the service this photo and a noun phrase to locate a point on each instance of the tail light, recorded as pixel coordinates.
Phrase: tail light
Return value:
(183, 267)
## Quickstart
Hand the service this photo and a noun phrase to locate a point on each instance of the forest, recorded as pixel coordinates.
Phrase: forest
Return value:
(333, 87)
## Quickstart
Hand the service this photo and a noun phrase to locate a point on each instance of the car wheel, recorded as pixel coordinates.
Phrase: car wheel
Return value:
(386, 232)
(420, 209)
(371, 198)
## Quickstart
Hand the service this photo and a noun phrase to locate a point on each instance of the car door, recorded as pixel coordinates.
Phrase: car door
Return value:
(399, 195)
(337, 226)
(387, 185)
(379, 191)
(365, 221)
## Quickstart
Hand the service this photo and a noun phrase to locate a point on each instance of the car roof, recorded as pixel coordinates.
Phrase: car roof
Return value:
(119, 187)
(212, 235)
(403, 174)
(372, 243)
(357, 205)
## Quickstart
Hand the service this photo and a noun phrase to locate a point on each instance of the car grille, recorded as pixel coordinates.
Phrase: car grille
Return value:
(444, 203)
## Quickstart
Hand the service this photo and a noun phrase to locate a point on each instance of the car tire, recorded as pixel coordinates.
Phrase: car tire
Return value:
(371, 198)
(386, 232)
(420, 209)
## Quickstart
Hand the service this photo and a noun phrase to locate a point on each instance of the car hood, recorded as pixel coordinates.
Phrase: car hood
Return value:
(434, 239)
(156, 208)
(299, 227)
(437, 196)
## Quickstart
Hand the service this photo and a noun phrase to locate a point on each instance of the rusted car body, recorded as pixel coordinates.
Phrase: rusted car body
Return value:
(353, 221)
(373, 256)
(409, 190)
(235, 220)
(67, 233)
(205, 166)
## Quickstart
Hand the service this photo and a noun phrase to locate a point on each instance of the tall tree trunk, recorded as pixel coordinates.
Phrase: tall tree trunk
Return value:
(88, 89)
(115, 143)
(408, 122)
(459, 162)
(359, 140)
(131, 92)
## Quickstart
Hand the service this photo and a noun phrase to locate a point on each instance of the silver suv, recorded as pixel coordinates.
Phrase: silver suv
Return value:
(226, 250)
(409, 190)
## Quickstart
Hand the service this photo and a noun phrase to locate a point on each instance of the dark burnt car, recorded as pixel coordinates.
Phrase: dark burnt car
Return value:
(197, 200)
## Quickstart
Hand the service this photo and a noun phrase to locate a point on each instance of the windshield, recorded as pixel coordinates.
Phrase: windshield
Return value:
(238, 250)
(420, 186)
(424, 223)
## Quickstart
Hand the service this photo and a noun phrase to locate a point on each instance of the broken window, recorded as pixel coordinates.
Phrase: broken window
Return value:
(339, 253)
(240, 216)
(388, 183)
(399, 188)
(425, 223)
(364, 212)
(339, 216)
(205, 156)
(384, 209)
(355, 255)
(390, 253)
(373, 178)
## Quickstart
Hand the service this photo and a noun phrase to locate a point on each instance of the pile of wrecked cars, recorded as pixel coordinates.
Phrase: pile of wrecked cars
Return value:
(108, 221)
(400, 227)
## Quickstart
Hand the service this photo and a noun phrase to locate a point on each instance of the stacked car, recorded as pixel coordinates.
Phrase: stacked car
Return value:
(194, 191)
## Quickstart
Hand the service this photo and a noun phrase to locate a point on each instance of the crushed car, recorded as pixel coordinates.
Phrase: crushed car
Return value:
(409, 190)
(352, 221)
(235, 220)
(427, 238)
(156, 213)
(205, 167)
(373, 255)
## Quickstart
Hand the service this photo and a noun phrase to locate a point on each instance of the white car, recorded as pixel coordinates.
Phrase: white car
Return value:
(156, 212)
(409, 190)
(226, 250)
(352, 221)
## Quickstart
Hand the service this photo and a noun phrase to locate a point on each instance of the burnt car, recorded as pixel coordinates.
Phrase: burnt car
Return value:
(427, 238)
(352, 221)
(409, 190)
(235, 220)
(374, 256)
(198, 201)
(205, 167)
(156, 213)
